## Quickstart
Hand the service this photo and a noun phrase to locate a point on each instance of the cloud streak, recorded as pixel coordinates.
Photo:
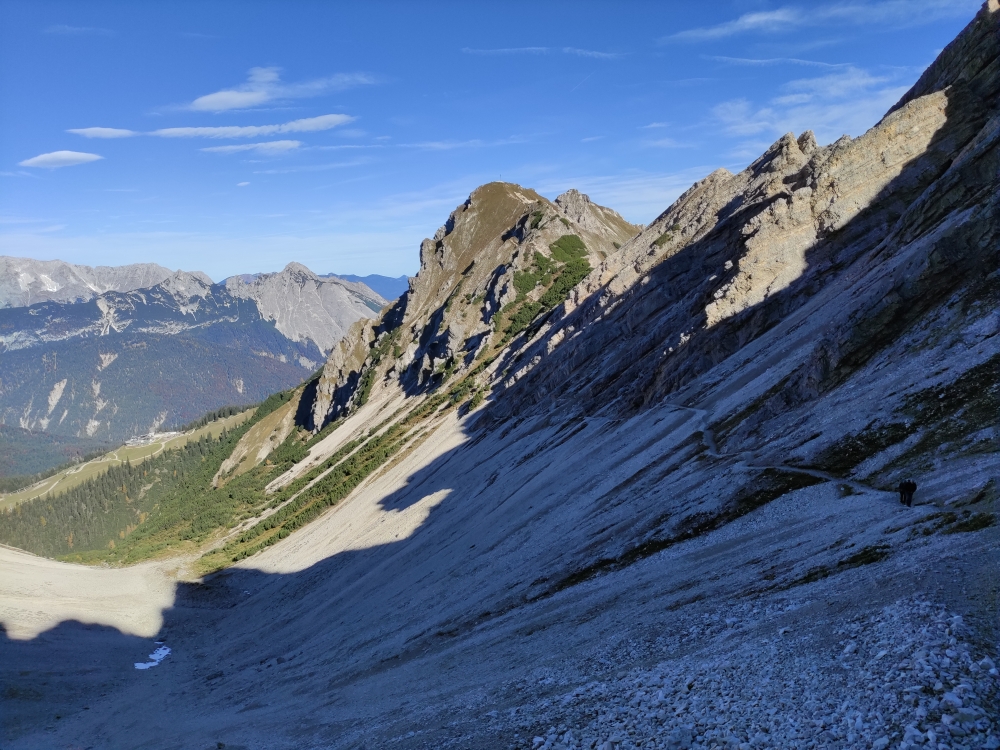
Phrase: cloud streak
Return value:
(901, 13)
(57, 159)
(264, 85)
(103, 132)
(848, 101)
(267, 147)
(773, 61)
(64, 30)
(305, 125)
(595, 54)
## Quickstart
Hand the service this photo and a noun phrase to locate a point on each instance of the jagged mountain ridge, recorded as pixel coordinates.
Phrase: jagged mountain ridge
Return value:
(467, 277)
(125, 363)
(25, 281)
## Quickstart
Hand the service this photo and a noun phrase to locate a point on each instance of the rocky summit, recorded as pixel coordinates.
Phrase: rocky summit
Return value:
(588, 485)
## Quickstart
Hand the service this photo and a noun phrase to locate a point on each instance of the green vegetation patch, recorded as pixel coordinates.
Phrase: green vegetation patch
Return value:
(370, 372)
(568, 247)
(663, 239)
(557, 275)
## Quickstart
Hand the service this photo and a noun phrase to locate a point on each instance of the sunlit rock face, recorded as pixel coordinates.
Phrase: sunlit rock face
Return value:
(306, 307)
(450, 315)
(25, 281)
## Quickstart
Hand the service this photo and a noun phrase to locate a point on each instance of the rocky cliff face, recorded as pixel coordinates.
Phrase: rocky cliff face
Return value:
(24, 281)
(499, 266)
(306, 307)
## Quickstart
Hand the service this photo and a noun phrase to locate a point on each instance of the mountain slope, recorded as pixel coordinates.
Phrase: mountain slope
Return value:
(25, 281)
(306, 307)
(126, 363)
(661, 511)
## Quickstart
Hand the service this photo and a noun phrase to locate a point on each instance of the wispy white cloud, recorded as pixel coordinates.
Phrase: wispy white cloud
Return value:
(103, 132)
(900, 13)
(267, 147)
(507, 51)
(773, 61)
(590, 53)
(65, 30)
(242, 184)
(846, 102)
(767, 21)
(264, 85)
(472, 143)
(305, 125)
(591, 139)
(597, 55)
(848, 83)
(57, 159)
(654, 125)
(313, 167)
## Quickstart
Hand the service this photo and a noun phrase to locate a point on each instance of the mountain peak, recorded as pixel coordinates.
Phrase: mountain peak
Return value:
(298, 269)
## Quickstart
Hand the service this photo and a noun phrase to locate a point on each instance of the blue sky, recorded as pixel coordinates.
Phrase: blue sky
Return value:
(234, 137)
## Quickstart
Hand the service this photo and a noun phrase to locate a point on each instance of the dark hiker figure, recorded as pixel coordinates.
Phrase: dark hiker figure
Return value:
(906, 490)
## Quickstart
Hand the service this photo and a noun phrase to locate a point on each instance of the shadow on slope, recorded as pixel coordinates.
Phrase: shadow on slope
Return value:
(631, 358)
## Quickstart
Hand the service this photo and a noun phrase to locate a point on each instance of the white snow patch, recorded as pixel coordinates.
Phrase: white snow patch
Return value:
(92, 426)
(154, 658)
(106, 359)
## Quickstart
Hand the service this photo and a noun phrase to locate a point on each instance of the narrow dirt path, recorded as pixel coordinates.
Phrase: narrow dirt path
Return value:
(708, 436)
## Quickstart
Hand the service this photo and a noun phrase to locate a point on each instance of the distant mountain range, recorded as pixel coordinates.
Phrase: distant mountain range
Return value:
(104, 365)
(25, 281)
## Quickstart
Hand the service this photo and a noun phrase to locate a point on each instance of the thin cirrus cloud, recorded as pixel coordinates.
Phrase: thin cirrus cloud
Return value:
(763, 62)
(57, 159)
(893, 12)
(264, 85)
(844, 102)
(65, 30)
(103, 132)
(305, 125)
(267, 147)
(542, 51)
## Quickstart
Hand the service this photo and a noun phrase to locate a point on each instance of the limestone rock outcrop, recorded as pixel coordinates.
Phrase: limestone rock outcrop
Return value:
(451, 313)
(307, 307)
